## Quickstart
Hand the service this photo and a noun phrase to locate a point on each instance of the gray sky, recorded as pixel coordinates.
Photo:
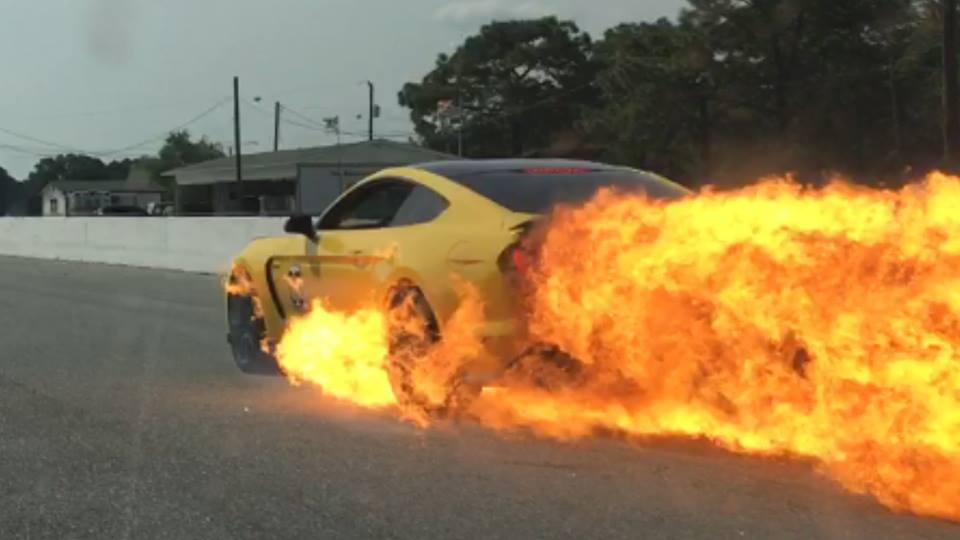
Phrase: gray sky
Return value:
(106, 75)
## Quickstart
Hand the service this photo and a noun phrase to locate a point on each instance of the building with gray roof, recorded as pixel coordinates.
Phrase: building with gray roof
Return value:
(304, 180)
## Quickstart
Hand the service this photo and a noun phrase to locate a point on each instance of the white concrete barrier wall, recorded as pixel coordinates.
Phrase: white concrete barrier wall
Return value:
(203, 244)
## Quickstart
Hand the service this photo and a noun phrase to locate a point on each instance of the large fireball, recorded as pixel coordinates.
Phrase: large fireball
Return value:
(774, 320)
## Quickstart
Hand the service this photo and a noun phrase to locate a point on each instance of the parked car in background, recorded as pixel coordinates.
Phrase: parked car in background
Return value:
(131, 211)
(160, 209)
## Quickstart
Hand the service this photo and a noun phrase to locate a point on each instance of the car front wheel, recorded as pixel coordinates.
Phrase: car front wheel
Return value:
(246, 334)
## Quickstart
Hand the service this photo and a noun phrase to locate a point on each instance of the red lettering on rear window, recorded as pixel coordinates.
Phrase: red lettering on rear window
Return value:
(557, 170)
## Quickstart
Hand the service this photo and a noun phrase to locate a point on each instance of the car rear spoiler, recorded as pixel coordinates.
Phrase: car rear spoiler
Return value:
(524, 223)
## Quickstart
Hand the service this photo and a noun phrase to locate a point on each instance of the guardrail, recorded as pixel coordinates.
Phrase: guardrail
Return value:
(192, 244)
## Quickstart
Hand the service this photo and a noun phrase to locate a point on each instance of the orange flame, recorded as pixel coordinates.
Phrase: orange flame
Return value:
(238, 282)
(348, 355)
(345, 354)
(774, 320)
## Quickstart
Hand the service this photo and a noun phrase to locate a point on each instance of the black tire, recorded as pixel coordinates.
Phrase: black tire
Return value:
(413, 330)
(545, 366)
(409, 343)
(246, 332)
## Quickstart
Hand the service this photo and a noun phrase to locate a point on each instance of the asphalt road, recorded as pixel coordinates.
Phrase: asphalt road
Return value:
(121, 416)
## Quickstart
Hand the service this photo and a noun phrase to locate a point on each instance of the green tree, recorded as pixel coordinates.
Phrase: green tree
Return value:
(25, 195)
(8, 185)
(119, 169)
(77, 167)
(660, 83)
(517, 84)
(951, 84)
(735, 89)
(178, 150)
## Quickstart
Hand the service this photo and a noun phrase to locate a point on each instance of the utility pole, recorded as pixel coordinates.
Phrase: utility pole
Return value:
(459, 108)
(276, 126)
(371, 112)
(459, 120)
(339, 158)
(236, 135)
(951, 91)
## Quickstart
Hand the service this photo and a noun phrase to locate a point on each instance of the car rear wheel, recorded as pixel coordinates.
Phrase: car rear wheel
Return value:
(413, 333)
(246, 333)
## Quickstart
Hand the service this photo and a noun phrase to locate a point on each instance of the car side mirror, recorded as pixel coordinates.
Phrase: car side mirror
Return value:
(301, 224)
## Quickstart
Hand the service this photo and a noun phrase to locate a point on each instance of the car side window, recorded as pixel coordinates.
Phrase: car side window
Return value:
(370, 207)
(422, 206)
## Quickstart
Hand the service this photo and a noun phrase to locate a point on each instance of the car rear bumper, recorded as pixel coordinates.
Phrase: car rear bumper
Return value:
(501, 343)
(504, 328)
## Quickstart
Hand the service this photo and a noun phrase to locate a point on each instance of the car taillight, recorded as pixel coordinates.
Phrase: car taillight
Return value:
(515, 259)
(521, 260)
(520, 257)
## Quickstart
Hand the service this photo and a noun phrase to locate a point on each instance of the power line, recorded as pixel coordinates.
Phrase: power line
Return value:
(39, 141)
(318, 108)
(306, 118)
(284, 118)
(24, 150)
(166, 133)
(47, 153)
(317, 126)
(256, 107)
(304, 126)
(119, 110)
(103, 152)
(382, 135)
(64, 147)
(50, 148)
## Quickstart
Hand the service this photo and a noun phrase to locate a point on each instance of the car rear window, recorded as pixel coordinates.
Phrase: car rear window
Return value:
(536, 191)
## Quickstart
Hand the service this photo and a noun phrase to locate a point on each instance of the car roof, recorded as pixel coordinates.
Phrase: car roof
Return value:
(465, 167)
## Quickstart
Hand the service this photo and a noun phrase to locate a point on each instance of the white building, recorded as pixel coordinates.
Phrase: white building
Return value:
(85, 197)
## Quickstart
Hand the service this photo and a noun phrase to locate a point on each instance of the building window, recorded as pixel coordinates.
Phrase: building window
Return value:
(54, 206)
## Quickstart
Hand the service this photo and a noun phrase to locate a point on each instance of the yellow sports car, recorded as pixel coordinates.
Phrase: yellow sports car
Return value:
(404, 236)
